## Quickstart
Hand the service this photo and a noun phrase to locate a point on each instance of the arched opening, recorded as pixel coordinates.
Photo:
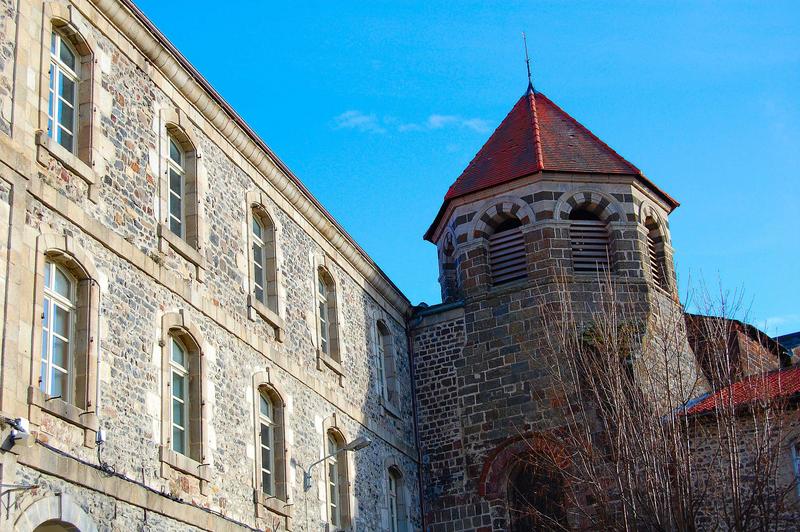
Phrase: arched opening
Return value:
(396, 501)
(655, 254)
(326, 315)
(336, 494)
(507, 257)
(270, 441)
(182, 192)
(589, 242)
(535, 497)
(56, 526)
(185, 399)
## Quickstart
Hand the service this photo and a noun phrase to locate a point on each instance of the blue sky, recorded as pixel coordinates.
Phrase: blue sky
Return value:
(378, 106)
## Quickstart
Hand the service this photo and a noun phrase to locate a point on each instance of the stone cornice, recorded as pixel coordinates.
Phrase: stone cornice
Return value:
(135, 26)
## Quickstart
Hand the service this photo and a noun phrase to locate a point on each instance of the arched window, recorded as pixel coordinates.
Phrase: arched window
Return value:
(62, 104)
(656, 255)
(396, 501)
(336, 479)
(58, 332)
(326, 315)
(183, 374)
(177, 187)
(385, 364)
(589, 241)
(507, 257)
(68, 328)
(266, 442)
(179, 385)
(265, 282)
(535, 498)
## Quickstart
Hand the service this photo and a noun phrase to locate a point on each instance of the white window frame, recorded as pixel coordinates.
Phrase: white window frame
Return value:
(394, 519)
(380, 353)
(258, 242)
(333, 482)
(180, 169)
(59, 69)
(51, 301)
(266, 420)
(181, 371)
(323, 314)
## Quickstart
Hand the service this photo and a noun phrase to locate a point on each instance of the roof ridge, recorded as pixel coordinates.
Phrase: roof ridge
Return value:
(595, 137)
(537, 139)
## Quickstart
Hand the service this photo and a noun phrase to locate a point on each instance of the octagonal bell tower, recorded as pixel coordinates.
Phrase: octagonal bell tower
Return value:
(544, 204)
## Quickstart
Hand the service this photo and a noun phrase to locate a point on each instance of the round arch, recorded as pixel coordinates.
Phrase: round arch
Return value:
(601, 204)
(497, 210)
(58, 509)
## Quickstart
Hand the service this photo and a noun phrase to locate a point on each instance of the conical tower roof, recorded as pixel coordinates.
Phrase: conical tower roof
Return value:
(538, 136)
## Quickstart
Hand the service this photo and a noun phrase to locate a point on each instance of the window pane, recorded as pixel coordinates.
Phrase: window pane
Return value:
(266, 482)
(53, 39)
(43, 376)
(321, 286)
(175, 182)
(258, 255)
(67, 90)
(178, 354)
(48, 269)
(178, 386)
(62, 284)
(265, 407)
(60, 353)
(176, 226)
(266, 458)
(61, 322)
(66, 55)
(65, 139)
(259, 293)
(178, 440)
(178, 415)
(257, 229)
(46, 313)
(58, 384)
(66, 116)
(175, 152)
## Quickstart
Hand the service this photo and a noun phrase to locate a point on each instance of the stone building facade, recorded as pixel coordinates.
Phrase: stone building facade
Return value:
(185, 328)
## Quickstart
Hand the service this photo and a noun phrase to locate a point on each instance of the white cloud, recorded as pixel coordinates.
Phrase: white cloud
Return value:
(357, 120)
(786, 323)
(370, 123)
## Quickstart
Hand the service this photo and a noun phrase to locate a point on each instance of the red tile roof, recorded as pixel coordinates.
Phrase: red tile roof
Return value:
(766, 386)
(536, 136)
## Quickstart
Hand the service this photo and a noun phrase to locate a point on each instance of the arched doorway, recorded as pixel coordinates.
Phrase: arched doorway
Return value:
(55, 526)
(535, 497)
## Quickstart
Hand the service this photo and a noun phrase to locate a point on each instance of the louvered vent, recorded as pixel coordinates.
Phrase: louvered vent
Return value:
(507, 260)
(589, 241)
(656, 266)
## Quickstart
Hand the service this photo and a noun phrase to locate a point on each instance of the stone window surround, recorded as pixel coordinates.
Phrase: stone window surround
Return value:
(664, 251)
(86, 162)
(403, 506)
(336, 350)
(180, 325)
(277, 504)
(174, 123)
(63, 249)
(61, 508)
(258, 204)
(389, 400)
(347, 502)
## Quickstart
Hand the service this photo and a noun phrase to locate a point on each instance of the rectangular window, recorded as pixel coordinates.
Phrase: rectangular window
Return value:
(324, 322)
(267, 442)
(259, 256)
(333, 483)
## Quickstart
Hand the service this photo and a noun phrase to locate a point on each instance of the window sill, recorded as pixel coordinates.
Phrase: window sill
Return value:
(69, 160)
(390, 408)
(169, 239)
(329, 361)
(256, 307)
(55, 406)
(186, 465)
(274, 505)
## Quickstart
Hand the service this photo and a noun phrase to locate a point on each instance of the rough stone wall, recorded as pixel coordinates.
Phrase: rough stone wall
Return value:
(140, 281)
(8, 13)
(503, 394)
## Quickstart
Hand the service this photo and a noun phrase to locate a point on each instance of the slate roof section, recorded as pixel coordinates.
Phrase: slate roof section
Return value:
(780, 384)
(535, 136)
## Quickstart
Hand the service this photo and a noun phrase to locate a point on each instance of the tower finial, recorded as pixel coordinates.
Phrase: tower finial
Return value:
(527, 62)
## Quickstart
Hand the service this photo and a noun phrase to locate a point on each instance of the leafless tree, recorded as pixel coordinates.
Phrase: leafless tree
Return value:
(625, 455)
